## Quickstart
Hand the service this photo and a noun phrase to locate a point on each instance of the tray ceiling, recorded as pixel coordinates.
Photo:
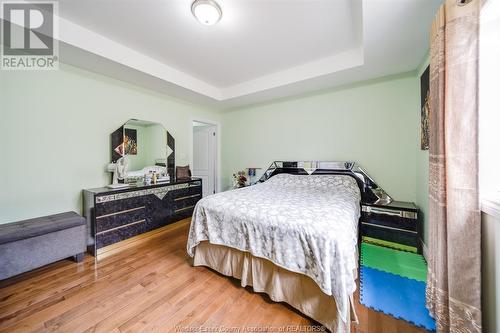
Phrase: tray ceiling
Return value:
(260, 50)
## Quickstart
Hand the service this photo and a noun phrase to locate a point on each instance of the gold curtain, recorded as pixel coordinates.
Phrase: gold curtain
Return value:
(454, 246)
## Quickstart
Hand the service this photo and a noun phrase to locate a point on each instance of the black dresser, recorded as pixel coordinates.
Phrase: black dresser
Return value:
(114, 215)
(396, 224)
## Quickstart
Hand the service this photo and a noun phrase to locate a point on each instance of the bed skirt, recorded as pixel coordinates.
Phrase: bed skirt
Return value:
(282, 285)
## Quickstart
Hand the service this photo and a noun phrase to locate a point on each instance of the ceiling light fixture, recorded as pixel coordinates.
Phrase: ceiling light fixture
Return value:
(207, 12)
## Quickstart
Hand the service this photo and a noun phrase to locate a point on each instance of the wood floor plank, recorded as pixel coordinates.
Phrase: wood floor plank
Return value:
(148, 285)
(156, 295)
(180, 305)
(124, 274)
(168, 303)
(88, 270)
(125, 283)
(241, 307)
(85, 298)
(201, 315)
(105, 308)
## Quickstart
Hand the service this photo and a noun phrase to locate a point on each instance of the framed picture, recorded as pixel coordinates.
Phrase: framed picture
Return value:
(130, 141)
(424, 110)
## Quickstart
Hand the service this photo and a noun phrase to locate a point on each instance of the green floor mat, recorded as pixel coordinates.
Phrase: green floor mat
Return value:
(401, 263)
(390, 244)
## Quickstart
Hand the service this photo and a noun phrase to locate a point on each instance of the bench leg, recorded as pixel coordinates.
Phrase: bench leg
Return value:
(79, 257)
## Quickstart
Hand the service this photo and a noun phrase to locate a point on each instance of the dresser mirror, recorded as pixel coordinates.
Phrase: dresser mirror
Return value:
(139, 148)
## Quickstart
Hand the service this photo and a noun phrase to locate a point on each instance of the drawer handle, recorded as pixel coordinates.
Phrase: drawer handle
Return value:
(390, 212)
(386, 227)
(181, 209)
(120, 212)
(187, 197)
(383, 211)
(122, 226)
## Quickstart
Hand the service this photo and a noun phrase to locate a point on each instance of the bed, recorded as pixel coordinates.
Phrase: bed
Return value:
(293, 237)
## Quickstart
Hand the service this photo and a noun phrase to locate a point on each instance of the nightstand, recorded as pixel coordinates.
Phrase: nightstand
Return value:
(394, 225)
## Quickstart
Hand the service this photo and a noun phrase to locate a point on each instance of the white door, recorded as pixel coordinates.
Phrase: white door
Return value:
(204, 157)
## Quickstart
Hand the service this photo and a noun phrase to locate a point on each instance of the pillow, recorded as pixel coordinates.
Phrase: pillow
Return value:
(182, 172)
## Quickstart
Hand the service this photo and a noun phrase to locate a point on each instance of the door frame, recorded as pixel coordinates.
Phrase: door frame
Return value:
(216, 124)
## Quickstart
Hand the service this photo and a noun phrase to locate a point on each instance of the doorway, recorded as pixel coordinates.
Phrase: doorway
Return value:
(205, 155)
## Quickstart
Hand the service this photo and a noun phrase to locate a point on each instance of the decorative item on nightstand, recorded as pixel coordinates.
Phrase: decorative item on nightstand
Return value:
(394, 225)
(252, 173)
(239, 179)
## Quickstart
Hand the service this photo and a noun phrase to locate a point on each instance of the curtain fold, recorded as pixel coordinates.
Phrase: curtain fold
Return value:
(453, 292)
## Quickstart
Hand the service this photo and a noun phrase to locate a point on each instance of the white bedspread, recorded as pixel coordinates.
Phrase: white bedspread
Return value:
(306, 224)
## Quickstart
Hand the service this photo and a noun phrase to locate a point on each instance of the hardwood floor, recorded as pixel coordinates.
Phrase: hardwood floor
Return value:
(147, 284)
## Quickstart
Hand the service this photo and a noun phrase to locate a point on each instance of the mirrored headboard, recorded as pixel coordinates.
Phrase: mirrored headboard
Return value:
(370, 191)
(145, 144)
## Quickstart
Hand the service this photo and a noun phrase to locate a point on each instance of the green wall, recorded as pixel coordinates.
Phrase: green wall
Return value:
(55, 128)
(54, 135)
(374, 123)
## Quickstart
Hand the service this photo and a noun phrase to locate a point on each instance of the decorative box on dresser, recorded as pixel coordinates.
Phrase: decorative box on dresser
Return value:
(114, 215)
(397, 222)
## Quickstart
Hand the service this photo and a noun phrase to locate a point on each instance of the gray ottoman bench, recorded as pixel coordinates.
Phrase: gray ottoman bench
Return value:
(29, 244)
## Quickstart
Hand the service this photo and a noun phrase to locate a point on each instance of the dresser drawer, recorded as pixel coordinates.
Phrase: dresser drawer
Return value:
(185, 212)
(118, 219)
(185, 192)
(120, 205)
(186, 201)
(112, 236)
(196, 183)
(195, 189)
(180, 193)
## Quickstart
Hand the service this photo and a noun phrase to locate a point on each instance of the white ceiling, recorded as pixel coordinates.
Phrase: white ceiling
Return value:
(254, 38)
(260, 50)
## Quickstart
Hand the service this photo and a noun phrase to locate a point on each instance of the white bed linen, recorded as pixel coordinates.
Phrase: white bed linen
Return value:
(306, 224)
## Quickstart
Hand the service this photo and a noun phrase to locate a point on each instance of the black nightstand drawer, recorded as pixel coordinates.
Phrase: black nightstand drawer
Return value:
(390, 234)
(392, 221)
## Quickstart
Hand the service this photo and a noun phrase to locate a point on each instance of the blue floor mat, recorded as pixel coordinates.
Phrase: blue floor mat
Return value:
(397, 296)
